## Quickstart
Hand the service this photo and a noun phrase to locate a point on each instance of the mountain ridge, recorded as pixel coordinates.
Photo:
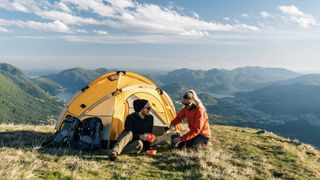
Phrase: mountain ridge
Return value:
(17, 106)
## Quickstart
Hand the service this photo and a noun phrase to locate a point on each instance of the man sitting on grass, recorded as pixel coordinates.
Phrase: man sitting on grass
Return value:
(138, 125)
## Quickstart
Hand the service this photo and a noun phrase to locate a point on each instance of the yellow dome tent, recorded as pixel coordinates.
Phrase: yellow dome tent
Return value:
(110, 98)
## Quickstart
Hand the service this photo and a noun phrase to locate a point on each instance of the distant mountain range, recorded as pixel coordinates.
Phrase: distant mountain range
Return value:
(214, 81)
(226, 82)
(76, 78)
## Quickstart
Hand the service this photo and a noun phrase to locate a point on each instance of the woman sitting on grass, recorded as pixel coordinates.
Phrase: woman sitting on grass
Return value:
(197, 119)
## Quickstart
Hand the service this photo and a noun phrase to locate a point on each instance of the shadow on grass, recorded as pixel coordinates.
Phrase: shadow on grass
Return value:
(32, 140)
(22, 139)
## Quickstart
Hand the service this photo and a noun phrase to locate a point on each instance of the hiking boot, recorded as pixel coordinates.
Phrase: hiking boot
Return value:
(112, 155)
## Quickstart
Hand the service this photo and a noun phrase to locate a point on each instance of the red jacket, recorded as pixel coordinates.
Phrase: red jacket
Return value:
(198, 122)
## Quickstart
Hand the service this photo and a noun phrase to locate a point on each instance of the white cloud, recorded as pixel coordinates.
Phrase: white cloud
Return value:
(19, 7)
(291, 10)
(56, 11)
(219, 38)
(56, 26)
(295, 15)
(264, 26)
(196, 15)
(246, 15)
(195, 33)
(154, 19)
(66, 17)
(6, 4)
(139, 39)
(29, 6)
(122, 3)
(226, 18)
(265, 14)
(151, 18)
(99, 32)
(64, 7)
(3, 30)
(96, 6)
(81, 31)
(123, 15)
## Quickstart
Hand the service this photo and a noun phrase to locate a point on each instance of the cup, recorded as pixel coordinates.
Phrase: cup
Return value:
(173, 140)
(151, 138)
(151, 152)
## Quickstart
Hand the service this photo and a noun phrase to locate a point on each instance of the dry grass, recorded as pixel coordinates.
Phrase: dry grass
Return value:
(236, 153)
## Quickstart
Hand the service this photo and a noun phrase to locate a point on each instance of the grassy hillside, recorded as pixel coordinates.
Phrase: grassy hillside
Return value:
(48, 85)
(236, 153)
(17, 106)
(18, 78)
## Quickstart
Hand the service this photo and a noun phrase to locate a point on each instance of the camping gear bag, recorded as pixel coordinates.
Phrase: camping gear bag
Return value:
(90, 134)
(65, 136)
(79, 135)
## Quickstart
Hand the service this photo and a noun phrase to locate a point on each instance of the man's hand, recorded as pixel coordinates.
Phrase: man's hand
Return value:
(144, 137)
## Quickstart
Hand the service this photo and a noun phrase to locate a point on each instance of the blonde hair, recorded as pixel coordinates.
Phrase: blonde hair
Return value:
(191, 94)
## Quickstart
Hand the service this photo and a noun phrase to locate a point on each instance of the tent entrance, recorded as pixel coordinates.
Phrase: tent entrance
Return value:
(159, 127)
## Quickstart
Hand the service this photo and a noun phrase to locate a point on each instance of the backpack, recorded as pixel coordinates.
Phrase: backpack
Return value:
(79, 135)
(90, 134)
(66, 135)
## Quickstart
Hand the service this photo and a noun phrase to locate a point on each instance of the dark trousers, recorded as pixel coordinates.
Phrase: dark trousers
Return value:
(194, 143)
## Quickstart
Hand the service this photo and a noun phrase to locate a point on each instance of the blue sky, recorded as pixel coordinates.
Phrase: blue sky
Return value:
(130, 34)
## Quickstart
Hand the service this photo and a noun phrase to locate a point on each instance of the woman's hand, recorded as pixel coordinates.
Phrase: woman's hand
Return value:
(172, 128)
(144, 137)
(176, 140)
